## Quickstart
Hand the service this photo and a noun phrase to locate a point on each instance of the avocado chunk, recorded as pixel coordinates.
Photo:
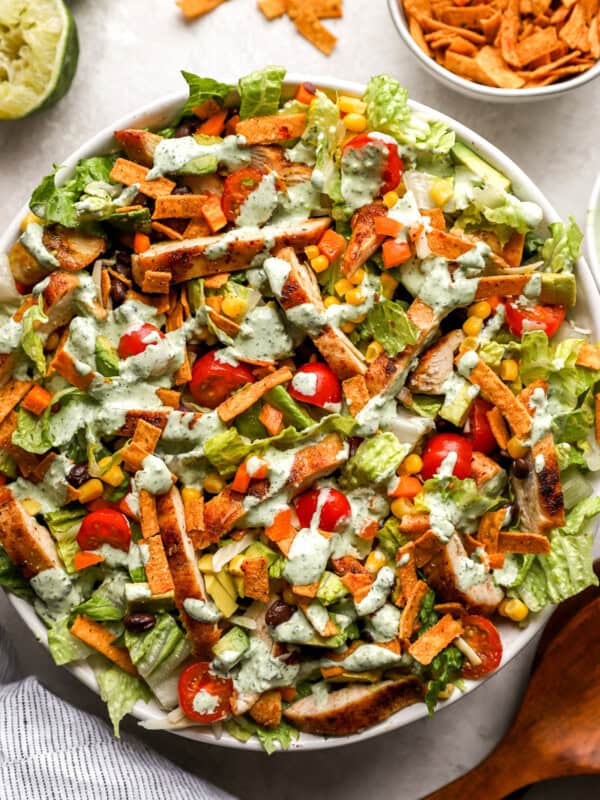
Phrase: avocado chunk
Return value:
(107, 359)
(258, 550)
(558, 289)
(457, 400)
(476, 164)
(230, 648)
(331, 589)
(222, 590)
(140, 598)
(293, 414)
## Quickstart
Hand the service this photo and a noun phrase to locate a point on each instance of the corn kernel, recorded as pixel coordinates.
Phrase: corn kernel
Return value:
(113, 476)
(213, 483)
(356, 123)
(348, 327)
(331, 301)
(515, 448)
(509, 369)
(355, 297)
(358, 320)
(312, 251)
(482, 310)
(446, 692)
(470, 343)
(32, 507)
(189, 494)
(351, 105)
(358, 277)
(342, 286)
(374, 349)
(375, 561)
(472, 326)
(320, 263)
(233, 307)
(513, 609)
(401, 506)
(388, 285)
(441, 191)
(412, 464)
(90, 490)
(390, 199)
(29, 218)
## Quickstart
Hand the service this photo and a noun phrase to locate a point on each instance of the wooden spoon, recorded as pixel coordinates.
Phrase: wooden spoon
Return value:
(557, 729)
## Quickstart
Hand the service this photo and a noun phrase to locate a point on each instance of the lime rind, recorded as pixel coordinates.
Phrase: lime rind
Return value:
(39, 49)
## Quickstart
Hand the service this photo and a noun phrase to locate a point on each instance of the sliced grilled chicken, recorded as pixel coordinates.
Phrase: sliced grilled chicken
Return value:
(364, 240)
(436, 365)
(484, 469)
(539, 495)
(27, 543)
(272, 159)
(138, 145)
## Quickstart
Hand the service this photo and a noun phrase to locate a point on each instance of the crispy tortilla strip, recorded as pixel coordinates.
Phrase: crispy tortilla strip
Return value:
(427, 547)
(540, 495)
(526, 394)
(179, 206)
(197, 227)
(184, 373)
(364, 240)
(516, 542)
(160, 303)
(574, 32)
(354, 708)
(167, 232)
(183, 566)
(227, 325)
(589, 356)
(268, 708)
(191, 258)
(436, 217)
(489, 530)
(512, 252)
(495, 391)
(416, 31)
(192, 9)
(538, 44)
(256, 578)
(411, 610)
(500, 285)
(484, 468)
(157, 419)
(414, 525)
(316, 461)
(27, 543)
(138, 145)
(310, 26)
(508, 34)
(594, 34)
(434, 640)
(272, 9)
(193, 506)
(447, 245)
(156, 282)
(64, 364)
(169, 397)
(133, 456)
(146, 435)
(308, 590)
(101, 639)
(241, 401)
(271, 129)
(128, 172)
(498, 426)
(157, 567)
(465, 16)
(493, 65)
(148, 514)
(462, 47)
(220, 515)
(435, 25)
(406, 573)
(356, 393)
(11, 394)
(324, 9)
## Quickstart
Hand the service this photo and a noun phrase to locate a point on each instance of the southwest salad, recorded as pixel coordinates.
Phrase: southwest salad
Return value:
(293, 407)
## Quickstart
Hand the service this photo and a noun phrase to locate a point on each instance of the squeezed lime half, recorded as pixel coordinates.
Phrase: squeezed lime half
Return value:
(39, 49)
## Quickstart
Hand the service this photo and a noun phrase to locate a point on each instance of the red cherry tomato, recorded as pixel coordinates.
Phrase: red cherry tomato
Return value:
(479, 431)
(105, 526)
(394, 167)
(482, 635)
(237, 188)
(439, 446)
(335, 509)
(137, 338)
(317, 385)
(533, 318)
(214, 380)
(198, 678)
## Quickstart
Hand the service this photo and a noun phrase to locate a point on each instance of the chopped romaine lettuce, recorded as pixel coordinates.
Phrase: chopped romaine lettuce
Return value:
(319, 143)
(271, 739)
(64, 526)
(31, 341)
(64, 647)
(388, 323)
(375, 461)
(11, 579)
(390, 537)
(203, 89)
(119, 690)
(107, 603)
(260, 92)
(562, 248)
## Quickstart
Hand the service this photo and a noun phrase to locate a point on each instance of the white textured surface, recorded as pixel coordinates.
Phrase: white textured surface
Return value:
(131, 52)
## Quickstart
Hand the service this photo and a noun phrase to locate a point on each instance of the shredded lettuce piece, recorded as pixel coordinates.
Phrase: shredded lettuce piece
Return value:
(119, 690)
(11, 579)
(64, 647)
(201, 90)
(272, 739)
(388, 323)
(107, 603)
(260, 92)
(579, 518)
(390, 538)
(562, 248)
(502, 209)
(319, 143)
(36, 434)
(31, 341)
(375, 461)
(64, 527)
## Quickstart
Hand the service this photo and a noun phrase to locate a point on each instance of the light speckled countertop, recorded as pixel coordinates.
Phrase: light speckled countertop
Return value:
(130, 54)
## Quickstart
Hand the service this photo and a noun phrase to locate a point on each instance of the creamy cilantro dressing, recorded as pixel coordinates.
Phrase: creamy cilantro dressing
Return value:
(318, 616)
(51, 491)
(541, 422)
(444, 290)
(492, 327)
(467, 363)
(474, 260)
(277, 271)
(470, 572)
(260, 670)
(366, 657)
(113, 556)
(307, 558)
(539, 462)
(201, 610)
(100, 199)
(446, 468)
(378, 593)
(154, 476)
(384, 624)
(298, 202)
(10, 334)
(262, 337)
(32, 241)
(406, 212)
(507, 574)
(56, 592)
(362, 170)
(181, 445)
(204, 702)
(533, 288)
(305, 383)
(173, 156)
(260, 204)
(296, 630)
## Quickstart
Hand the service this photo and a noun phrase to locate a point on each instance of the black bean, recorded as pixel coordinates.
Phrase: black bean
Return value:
(139, 622)
(279, 612)
(520, 468)
(185, 128)
(182, 190)
(78, 475)
(123, 259)
(118, 292)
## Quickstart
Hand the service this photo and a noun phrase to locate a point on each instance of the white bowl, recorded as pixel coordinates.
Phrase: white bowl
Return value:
(592, 231)
(478, 90)
(157, 114)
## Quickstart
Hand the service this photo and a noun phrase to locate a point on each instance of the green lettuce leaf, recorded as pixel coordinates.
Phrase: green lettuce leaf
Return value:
(457, 503)
(39, 434)
(444, 669)
(260, 92)
(64, 527)
(579, 517)
(11, 579)
(320, 138)
(120, 691)
(271, 739)
(375, 461)
(293, 413)
(562, 248)
(31, 341)
(203, 89)
(425, 405)
(388, 111)
(64, 647)
(107, 603)
(505, 211)
(388, 323)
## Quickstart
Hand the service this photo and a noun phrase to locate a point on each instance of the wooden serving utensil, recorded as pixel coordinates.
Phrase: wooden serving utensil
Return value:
(557, 729)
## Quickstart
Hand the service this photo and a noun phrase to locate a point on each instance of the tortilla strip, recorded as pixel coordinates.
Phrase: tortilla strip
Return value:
(256, 578)
(494, 66)
(434, 25)
(416, 31)
(516, 542)
(179, 206)
(156, 282)
(11, 394)
(271, 129)
(498, 426)
(462, 47)
(101, 639)
(128, 172)
(411, 610)
(148, 515)
(466, 67)
(538, 44)
(310, 26)
(427, 547)
(241, 401)
(574, 28)
(146, 435)
(406, 573)
(509, 33)
(272, 9)
(588, 356)
(495, 391)
(434, 640)
(64, 364)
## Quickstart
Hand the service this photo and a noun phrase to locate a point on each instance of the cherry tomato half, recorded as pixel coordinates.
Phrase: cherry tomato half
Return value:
(316, 384)
(482, 635)
(105, 526)
(393, 168)
(214, 380)
(197, 678)
(335, 509)
(439, 446)
(237, 188)
(137, 338)
(478, 428)
(533, 318)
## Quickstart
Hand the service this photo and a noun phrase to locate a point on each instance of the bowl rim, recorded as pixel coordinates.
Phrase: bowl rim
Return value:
(592, 230)
(157, 113)
(398, 15)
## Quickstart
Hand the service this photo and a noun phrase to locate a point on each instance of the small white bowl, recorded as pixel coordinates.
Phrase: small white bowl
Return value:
(478, 90)
(592, 231)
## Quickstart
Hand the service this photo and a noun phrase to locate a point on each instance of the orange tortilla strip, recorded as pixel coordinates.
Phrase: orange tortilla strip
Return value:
(256, 578)
(406, 573)
(157, 567)
(250, 394)
(179, 206)
(192, 9)
(538, 44)
(516, 542)
(356, 393)
(148, 514)
(447, 245)
(10, 394)
(310, 26)
(411, 609)
(434, 640)
(272, 9)
(271, 129)
(495, 391)
(128, 172)
(146, 435)
(101, 639)
(493, 65)
(416, 31)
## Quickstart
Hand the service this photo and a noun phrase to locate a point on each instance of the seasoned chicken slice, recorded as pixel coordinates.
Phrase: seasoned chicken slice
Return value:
(27, 543)
(364, 240)
(354, 708)
(539, 495)
(138, 145)
(435, 365)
